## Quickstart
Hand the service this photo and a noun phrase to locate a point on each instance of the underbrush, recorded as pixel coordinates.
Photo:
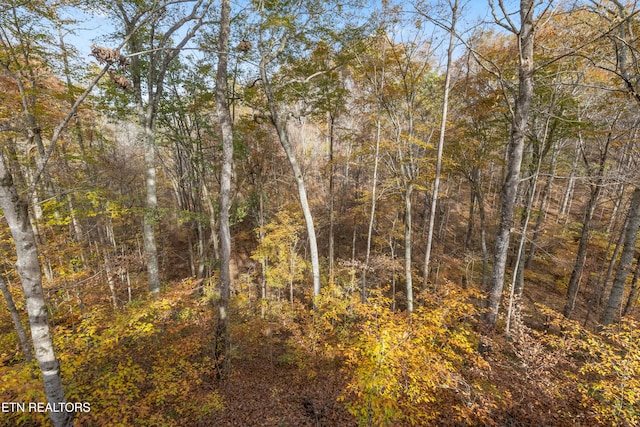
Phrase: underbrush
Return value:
(344, 362)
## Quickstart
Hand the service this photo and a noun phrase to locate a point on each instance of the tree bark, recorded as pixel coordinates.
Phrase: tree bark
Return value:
(568, 193)
(332, 171)
(17, 323)
(28, 267)
(283, 136)
(576, 274)
(443, 126)
(626, 259)
(515, 152)
(407, 246)
(542, 213)
(603, 279)
(226, 128)
(374, 188)
(633, 293)
(151, 209)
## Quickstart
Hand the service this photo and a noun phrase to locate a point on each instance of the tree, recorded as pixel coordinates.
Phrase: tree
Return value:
(597, 178)
(451, 29)
(224, 119)
(28, 267)
(626, 259)
(479, 113)
(282, 32)
(186, 132)
(375, 75)
(526, 68)
(150, 56)
(15, 316)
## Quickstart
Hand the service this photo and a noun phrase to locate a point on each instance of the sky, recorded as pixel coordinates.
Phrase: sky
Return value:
(94, 28)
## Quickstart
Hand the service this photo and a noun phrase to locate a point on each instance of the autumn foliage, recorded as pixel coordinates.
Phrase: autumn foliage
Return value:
(334, 154)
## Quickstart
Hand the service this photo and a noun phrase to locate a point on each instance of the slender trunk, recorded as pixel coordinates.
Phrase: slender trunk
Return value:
(472, 206)
(483, 242)
(626, 259)
(283, 136)
(25, 345)
(633, 293)
(616, 206)
(264, 262)
(392, 250)
(332, 171)
(28, 267)
(75, 222)
(603, 279)
(407, 246)
(372, 212)
(517, 283)
(213, 224)
(568, 194)
(542, 213)
(443, 126)
(202, 250)
(112, 286)
(515, 153)
(576, 275)
(226, 127)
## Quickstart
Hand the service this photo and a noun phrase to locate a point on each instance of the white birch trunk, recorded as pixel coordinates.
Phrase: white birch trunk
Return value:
(28, 267)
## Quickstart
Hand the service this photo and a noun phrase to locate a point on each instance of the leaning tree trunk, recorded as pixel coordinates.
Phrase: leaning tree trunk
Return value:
(17, 323)
(626, 259)
(224, 118)
(515, 152)
(283, 136)
(576, 274)
(633, 293)
(28, 267)
(542, 212)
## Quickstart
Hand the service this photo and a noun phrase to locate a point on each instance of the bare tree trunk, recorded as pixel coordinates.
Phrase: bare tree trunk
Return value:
(17, 323)
(517, 282)
(372, 212)
(443, 126)
(407, 246)
(633, 293)
(483, 242)
(226, 127)
(470, 222)
(568, 194)
(576, 274)
(542, 213)
(283, 136)
(214, 238)
(515, 152)
(109, 273)
(28, 267)
(264, 264)
(603, 279)
(151, 209)
(626, 259)
(619, 190)
(332, 171)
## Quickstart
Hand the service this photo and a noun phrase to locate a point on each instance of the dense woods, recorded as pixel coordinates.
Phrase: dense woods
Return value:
(306, 213)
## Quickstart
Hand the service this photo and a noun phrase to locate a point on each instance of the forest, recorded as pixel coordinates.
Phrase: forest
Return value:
(319, 213)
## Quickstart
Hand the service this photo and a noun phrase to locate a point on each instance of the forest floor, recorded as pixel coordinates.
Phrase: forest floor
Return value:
(150, 363)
